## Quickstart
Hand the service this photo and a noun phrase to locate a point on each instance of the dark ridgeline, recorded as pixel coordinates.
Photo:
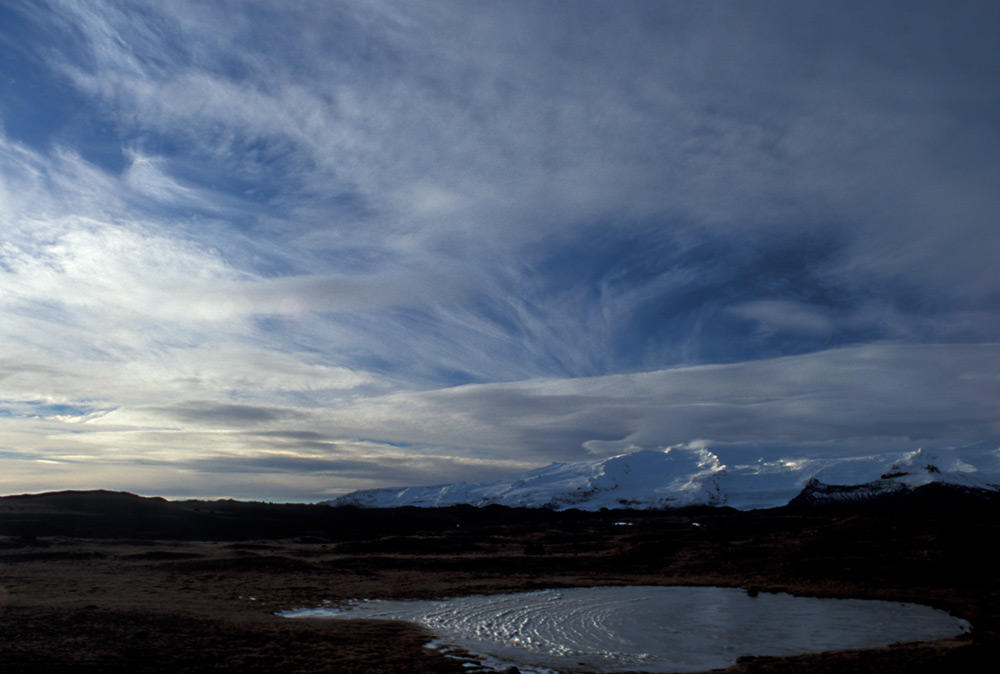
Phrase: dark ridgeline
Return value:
(111, 514)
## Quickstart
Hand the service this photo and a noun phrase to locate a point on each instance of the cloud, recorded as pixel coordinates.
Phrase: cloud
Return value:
(865, 397)
(836, 403)
(208, 413)
(509, 234)
(476, 132)
(780, 315)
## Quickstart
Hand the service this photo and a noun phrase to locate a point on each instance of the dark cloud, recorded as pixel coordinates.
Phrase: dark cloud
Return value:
(223, 414)
(335, 468)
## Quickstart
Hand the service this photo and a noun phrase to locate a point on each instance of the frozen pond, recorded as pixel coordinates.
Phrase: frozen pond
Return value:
(652, 629)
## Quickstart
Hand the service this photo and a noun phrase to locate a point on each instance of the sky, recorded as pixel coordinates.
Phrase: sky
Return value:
(285, 250)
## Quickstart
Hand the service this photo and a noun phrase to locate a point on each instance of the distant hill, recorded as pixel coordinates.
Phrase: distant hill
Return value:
(111, 514)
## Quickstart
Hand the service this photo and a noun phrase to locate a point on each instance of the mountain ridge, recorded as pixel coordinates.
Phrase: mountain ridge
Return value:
(695, 476)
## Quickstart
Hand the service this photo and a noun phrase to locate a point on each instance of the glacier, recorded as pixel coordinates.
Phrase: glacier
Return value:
(676, 477)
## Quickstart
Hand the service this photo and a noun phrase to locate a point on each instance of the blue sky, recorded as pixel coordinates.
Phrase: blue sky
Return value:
(285, 250)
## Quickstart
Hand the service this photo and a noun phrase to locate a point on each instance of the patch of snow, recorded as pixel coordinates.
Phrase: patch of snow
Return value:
(688, 476)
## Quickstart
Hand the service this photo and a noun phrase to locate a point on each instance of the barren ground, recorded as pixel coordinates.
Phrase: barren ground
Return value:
(106, 582)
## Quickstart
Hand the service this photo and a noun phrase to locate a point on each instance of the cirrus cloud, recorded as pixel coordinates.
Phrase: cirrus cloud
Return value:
(473, 238)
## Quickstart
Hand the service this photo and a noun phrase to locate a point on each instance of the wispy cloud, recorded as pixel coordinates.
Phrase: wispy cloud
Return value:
(862, 399)
(499, 235)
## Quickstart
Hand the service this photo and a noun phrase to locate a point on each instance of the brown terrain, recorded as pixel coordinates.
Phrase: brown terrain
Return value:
(111, 582)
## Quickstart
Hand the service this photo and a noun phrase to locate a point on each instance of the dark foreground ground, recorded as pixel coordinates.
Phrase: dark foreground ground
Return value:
(108, 582)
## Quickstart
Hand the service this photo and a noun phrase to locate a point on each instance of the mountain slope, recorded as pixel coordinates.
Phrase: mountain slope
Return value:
(679, 477)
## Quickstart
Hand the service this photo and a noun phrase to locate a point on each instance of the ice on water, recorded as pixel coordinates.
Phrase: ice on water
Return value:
(653, 629)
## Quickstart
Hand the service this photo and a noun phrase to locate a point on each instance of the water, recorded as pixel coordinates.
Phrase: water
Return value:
(652, 629)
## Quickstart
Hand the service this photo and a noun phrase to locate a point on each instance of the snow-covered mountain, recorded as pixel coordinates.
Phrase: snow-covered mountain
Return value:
(677, 477)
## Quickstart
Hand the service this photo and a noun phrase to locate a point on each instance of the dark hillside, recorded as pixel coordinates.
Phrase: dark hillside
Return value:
(111, 582)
